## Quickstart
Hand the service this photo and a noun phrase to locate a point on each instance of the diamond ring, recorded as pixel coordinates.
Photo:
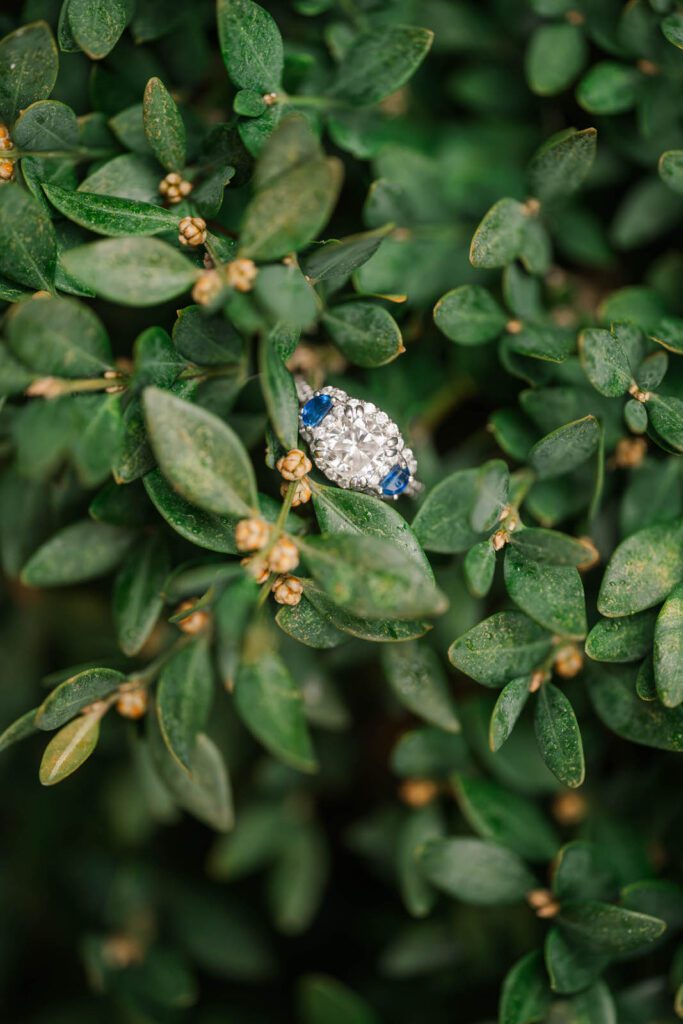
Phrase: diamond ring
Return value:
(355, 444)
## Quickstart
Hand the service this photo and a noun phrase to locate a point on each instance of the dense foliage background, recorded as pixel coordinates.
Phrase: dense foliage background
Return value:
(439, 787)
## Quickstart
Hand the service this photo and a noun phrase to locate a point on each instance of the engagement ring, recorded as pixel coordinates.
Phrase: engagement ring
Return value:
(355, 444)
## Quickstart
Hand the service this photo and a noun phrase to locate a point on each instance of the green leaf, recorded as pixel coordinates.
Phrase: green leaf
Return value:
(417, 679)
(668, 650)
(251, 45)
(609, 88)
(509, 706)
(60, 337)
(646, 688)
(279, 392)
(271, 706)
(622, 640)
(200, 455)
(491, 495)
(469, 315)
(28, 245)
(205, 529)
(339, 258)
(552, 595)
(70, 748)
(558, 735)
(498, 239)
(419, 827)
(606, 928)
(20, 730)
(643, 570)
(594, 1006)
(556, 54)
(612, 692)
(366, 334)
(672, 29)
(205, 790)
(507, 818)
(582, 872)
(671, 169)
(164, 126)
(341, 511)
(184, 697)
(665, 413)
(380, 62)
(479, 568)
(74, 694)
(428, 753)
(324, 1000)
(374, 630)
(79, 552)
(562, 163)
(97, 25)
(546, 342)
(296, 189)
(132, 271)
(206, 340)
(137, 600)
(500, 648)
(46, 125)
(564, 449)
(126, 176)
(285, 297)
(605, 362)
(570, 967)
(303, 622)
(476, 871)
(443, 521)
(525, 996)
(371, 577)
(109, 215)
(550, 546)
(28, 68)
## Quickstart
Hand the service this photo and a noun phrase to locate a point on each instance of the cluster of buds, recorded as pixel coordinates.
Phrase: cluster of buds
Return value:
(543, 902)
(207, 288)
(630, 452)
(195, 621)
(279, 556)
(5, 140)
(294, 467)
(174, 188)
(6, 170)
(192, 231)
(132, 701)
(240, 274)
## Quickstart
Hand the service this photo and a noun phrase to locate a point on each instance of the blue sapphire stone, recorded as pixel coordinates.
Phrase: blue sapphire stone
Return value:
(396, 481)
(315, 410)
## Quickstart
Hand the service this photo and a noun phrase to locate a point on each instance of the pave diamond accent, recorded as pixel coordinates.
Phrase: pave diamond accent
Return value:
(356, 445)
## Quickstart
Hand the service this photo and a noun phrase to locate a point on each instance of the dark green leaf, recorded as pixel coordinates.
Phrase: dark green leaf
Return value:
(507, 818)
(419, 827)
(556, 54)
(428, 753)
(366, 334)
(479, 568)
(97, 25)
(205, 529)
(206, 340)
(469, 315)
(500, 648)
(570, 967)
(443, 522)
(74, 694)
(560, 166)
(285, 297)
(28, 246)
(251, 45)
(476, 871)
(643, 570)
(671, 169)
(605, 362)
(279, 392)
(200, 455)
(608, 88)
(379, 62)
(672, 29)
(205, 791)
(525, 996)
(132, 271)
(61, 337)
(69, 748)
(415, 675)
(137, 600)
(491, 495)
(612, 691)
(184, 697)
(498, 239)
(582, 872)
(340, 258)
(564, 449)
(79, 552)
(550, 546)
(306, 624)
(668, 650)
(28, 68)
(623, 639)
(665, 413)
(324, 1000)
(509, 706)
(109, 215)
(558, 735)
(374, 630)
(126, 176)
(164, 126)
(550, 594)
(20, 730)
(46, 125)
(606, 928)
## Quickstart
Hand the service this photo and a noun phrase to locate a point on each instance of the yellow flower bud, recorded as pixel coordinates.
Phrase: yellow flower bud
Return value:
(192, 231)
(288, 590)
(283, 556)
(294, 465)
(251, 534)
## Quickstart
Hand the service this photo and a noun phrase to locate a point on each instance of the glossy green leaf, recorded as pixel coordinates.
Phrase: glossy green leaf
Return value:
(643, 570)
(366, 334)
(479, 568)
(21, 729)
(443, 521)
(558, 735)
(419, 682)
(570, 967)
(28, 68)
(60, 337)
(476, 871)
(184, 697)
(608, 88)
(612, 691)
(324, 1000)
(374, 630)
(205, 791)
(163, 125)
(605, 362)
(306, 624)
(509, 706)
(672, 29)
(251, 45)
(271, 706)
(525, 996)
(46, 125)
(428, 753)
(623, 639)
(137, 599)
(671, 169)
(109, 215)
(561, 164)
(126, 176)
(556, 55)
(82, 551)
(606, 928)
(200, 455)
(419, 827)
(564, 449)
(206, 340)
(469, 315)
(74, 694)
(552, 595)
(371, 577)
(499, 648)
(70, 748)
(28, 245)
(379, 62)
(205, 529)
(131, 271)
(491, 495)
(507, 818)
(498, 239)
(338, 258)
(97, 25)
(279, 392)
(550, 546)
(665, 413)
(582, 872)
(668, 650)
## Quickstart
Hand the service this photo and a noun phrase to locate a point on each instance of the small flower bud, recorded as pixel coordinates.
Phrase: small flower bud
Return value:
(192, 231)
(270, 98)
(514, 326)
(174, 188)
(575, 17)
(537, 680)
(418, 792)
(302, 494)
(283, 556)
(568, 661)
(294, 465)
(208, 288)
(639, 394)
(532, 207)
(543, 902)
(251, 534)
(287, 590)
(241, 274)
(630, 452)
(5, 140)
(499, 539)
(569, 808)
(257, 567)
(195, 622)
(45, 387)
(132, 703)
(120, 951)
(6, 170)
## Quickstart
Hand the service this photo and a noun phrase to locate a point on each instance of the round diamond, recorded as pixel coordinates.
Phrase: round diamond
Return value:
(354, 445)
